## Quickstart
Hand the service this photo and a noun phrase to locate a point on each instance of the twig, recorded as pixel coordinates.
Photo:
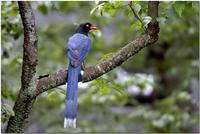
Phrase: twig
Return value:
(137, 17)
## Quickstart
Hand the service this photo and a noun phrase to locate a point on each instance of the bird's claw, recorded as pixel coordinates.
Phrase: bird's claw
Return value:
(84, 67)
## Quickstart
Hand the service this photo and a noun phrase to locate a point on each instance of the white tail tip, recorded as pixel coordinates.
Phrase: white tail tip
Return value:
(69, 122)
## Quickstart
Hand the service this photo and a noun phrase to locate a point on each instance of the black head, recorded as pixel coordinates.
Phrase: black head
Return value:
(84, 28)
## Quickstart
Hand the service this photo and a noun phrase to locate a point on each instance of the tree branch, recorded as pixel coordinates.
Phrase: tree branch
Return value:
(153, 10)
(151, 36)
(23, 104)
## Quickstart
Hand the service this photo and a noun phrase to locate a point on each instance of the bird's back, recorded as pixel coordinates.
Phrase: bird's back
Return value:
(78, 41)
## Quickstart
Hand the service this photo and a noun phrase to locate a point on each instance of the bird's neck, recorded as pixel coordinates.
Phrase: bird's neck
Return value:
(81, 31)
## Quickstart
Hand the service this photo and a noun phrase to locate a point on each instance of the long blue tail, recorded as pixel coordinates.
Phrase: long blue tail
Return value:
(71, 99)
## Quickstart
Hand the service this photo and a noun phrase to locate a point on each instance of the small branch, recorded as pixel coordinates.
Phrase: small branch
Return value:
(137, 17)
(23, 104)
(51, 81)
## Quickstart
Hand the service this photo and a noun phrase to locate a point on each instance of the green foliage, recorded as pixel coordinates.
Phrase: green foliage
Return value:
(179, 7)
(104, 84)
(104, 104)
(10, 20)
(165, 116)
(106, 7)
(11, 58)
(43, 9)
(176, 117)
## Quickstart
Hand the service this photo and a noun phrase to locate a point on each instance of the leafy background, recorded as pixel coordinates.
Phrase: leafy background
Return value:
(154, 91)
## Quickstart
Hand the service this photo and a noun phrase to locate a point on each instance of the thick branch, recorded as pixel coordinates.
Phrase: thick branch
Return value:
(23, 104)
(59, 78)
(153, 10)
(30, 44)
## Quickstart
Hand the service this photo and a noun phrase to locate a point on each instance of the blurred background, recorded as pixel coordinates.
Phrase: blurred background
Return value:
(157, 90)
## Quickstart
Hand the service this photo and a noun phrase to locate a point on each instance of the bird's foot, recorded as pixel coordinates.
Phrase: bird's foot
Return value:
(84, 67)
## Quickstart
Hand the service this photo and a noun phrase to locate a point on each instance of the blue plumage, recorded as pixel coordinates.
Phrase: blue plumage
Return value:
(77, 49)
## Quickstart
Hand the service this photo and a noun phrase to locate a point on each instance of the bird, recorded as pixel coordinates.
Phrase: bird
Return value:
(78, 46)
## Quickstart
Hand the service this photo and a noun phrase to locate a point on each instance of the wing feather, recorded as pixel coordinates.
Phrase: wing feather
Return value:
(78, 48)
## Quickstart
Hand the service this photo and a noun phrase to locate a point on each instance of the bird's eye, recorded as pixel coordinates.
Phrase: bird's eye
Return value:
(87, 25)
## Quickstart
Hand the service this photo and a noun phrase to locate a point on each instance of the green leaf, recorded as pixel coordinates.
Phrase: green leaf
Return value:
(146, 20)
(111, 11)
(13, 13)
(100, 82)
(117, 4)
(50, 91)
(109, 7)
(136, 25)
(179, 7)
(43, 9)
(119, 90)
(61, 90)
(133, 26)
(13, 62)
(98, 7)
(53, 96)
(94, 9)
(104, 90)
(137, 8)
(141, 86)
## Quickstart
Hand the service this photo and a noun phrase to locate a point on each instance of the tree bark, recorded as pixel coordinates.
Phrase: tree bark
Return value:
(25, 99)
(32, 87)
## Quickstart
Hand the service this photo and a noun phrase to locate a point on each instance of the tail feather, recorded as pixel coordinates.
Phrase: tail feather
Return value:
(71, 99)
(69, 122)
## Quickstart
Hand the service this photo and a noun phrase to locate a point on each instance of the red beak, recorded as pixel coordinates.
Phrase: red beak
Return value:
(93, 28)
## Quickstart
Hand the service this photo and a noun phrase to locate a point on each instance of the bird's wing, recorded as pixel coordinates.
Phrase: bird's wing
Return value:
(85, 49)
(78, 47)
